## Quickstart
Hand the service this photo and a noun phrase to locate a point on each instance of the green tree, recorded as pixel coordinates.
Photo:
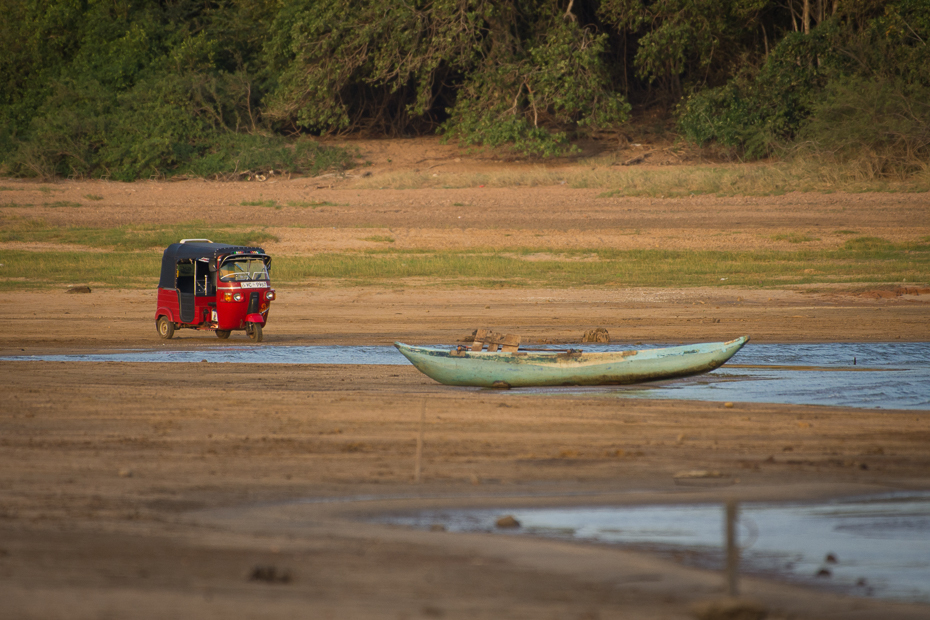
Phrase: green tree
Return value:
(855, 86)
(684, 38)
(137, 88)
(494, 72)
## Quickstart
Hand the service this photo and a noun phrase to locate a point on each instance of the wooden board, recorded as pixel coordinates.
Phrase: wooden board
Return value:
(507, 342)
(480, 335)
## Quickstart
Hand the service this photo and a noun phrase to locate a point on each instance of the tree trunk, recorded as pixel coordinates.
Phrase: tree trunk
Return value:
(806, 16)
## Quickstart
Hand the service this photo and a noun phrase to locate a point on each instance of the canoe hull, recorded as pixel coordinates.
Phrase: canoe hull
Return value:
(533, 369)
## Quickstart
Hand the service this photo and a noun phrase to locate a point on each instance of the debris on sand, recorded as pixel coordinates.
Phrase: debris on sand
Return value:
(270, 574)
(698, 473)
(507, 521)
(596, 335)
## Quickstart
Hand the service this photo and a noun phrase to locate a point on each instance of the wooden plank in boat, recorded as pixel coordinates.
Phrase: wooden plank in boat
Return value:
(510, 343)
(480, 335)
(505, 342)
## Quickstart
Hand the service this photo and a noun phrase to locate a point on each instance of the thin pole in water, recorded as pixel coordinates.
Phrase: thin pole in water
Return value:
(416, 469)
(732, 513)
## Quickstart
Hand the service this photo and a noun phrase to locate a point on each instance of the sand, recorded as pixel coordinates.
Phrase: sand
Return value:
(173, 490)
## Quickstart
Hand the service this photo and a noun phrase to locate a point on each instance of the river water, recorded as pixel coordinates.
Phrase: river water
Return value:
(864, 375)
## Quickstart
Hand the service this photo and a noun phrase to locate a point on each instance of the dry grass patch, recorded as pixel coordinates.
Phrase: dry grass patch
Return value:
(672, 181)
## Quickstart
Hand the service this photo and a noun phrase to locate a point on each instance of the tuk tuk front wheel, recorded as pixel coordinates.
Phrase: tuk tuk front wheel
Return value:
(255, 333)
(165, 327)
(223, 334)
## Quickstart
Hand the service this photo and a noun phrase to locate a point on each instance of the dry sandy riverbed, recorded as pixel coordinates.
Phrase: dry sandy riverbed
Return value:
(155, 490)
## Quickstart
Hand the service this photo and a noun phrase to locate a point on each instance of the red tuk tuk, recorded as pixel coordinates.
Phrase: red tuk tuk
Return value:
(213, 286)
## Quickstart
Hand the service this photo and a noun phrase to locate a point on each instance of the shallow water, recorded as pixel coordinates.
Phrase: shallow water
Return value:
(866, 375)
(885, 375)
(877, 546)
(245, 354)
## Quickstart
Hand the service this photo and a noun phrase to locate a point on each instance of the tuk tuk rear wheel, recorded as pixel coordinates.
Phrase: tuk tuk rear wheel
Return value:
(165, 327)
(255, 333)
(223, 334)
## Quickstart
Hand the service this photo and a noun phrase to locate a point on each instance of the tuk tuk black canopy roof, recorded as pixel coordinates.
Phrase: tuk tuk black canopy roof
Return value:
(196, 251)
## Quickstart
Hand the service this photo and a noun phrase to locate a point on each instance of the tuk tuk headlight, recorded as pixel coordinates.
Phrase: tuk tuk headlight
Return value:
(237, 296)
(269, 295)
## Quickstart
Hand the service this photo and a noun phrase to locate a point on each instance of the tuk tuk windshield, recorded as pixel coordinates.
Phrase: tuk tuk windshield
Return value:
(243, 269)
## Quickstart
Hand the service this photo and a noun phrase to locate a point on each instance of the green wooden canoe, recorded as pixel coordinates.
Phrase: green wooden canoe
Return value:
(460, 366)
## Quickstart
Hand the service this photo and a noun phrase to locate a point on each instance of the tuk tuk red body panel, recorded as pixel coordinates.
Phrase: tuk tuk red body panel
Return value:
(213, 286)
(252, 307)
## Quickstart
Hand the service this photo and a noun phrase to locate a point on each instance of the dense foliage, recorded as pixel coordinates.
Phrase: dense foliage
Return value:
(129, 89)
(856, 86)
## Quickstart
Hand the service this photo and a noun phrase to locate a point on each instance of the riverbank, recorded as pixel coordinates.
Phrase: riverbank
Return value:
(233, 491)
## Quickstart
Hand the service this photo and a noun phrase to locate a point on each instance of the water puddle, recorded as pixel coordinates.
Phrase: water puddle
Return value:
(864, 375)
(877, 546)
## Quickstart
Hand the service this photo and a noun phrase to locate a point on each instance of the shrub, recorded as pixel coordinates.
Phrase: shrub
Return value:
(231, 154)
(165, 125)
(856, 89)
(881, 125)
(761, 108)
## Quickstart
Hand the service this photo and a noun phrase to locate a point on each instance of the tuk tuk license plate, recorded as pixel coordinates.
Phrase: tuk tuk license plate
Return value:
(253, 284)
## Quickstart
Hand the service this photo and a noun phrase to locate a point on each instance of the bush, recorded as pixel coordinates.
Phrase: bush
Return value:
(856, 89)
(66, 132)
(233, 154)
(760, 109)
(529, 99)
(164, 126)
(881, 125)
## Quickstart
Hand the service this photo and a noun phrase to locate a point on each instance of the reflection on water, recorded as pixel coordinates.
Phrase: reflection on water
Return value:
(871, 375)
(877, 546)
